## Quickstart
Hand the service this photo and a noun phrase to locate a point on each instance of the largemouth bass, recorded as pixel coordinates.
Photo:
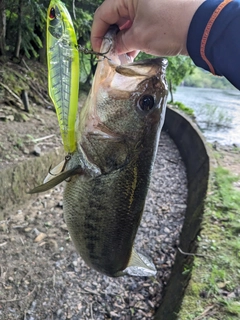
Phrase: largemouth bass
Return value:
(117, 132)
(63, 70)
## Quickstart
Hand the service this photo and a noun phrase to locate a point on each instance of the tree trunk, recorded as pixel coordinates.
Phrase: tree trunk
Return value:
(170, 90)
(92, 70)
(24, 97)
(42, 52)
(2, 27)
(19, 31)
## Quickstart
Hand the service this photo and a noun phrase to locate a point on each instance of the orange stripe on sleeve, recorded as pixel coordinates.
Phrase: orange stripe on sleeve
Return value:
(207, 32)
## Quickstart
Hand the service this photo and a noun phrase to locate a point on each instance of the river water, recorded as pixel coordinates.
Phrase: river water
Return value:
(217, 112)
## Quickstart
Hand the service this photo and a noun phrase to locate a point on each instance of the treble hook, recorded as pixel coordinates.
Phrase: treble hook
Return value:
(89, 51)
(67, 158)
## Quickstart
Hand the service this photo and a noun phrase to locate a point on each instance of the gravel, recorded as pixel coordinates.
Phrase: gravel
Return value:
(43, 277)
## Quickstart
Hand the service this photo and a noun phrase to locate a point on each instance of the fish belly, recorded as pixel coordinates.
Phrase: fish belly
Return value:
(103, 215)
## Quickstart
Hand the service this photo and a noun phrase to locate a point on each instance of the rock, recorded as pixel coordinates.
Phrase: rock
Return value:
(37, 151)
(10, 117)
(53, 244)
(40, 237)
(60, 204)
(25, 150)
(216, 145)
(20, 117)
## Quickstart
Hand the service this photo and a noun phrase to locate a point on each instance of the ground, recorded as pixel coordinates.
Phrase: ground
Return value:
(22, 126)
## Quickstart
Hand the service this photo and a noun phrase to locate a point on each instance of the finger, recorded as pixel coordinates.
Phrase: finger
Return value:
(125, 43)
(126, 25)
(110, 12)
(133, 54)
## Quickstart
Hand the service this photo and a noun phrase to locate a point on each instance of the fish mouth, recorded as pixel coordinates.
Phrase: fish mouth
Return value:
(124, 64)
(108, 48)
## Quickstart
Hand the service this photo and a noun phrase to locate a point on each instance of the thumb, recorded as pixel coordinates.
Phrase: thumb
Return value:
(125, 43)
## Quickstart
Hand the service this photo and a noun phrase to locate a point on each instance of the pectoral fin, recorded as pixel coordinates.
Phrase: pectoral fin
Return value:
(56, 180)
(140, 266)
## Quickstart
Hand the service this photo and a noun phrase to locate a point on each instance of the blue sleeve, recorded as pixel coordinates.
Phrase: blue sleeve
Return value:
(218, 23)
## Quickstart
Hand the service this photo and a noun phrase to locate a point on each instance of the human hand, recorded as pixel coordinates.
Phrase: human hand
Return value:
(157, 27)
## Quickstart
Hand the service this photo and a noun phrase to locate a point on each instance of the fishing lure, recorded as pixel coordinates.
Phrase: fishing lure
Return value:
(63, 70)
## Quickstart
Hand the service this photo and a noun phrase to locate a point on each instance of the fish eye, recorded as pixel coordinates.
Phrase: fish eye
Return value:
(52, 13)
(146, 102)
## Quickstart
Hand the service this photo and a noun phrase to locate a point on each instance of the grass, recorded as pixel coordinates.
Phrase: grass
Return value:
(214, 289)
(182, 107)
(214, 117)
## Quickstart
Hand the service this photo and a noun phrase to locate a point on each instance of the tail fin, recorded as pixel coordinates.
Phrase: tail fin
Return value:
(140, 266)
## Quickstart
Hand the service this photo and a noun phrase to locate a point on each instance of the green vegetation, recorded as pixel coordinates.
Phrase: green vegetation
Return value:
(23, 29)
(214, 117)
(23, 36)
(178, 68)
(203, 79)
(182, 107)
(213, 291)
(23, 33)
(211, 115)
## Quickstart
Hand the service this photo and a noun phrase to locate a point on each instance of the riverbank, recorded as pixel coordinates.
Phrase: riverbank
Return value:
(214, 289)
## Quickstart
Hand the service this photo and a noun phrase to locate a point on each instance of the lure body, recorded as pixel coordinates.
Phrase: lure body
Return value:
(63, 70)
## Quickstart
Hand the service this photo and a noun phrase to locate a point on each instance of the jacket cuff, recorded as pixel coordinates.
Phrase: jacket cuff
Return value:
(213, 34)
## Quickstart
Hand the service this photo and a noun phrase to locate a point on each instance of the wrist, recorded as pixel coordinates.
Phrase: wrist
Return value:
(186, 11)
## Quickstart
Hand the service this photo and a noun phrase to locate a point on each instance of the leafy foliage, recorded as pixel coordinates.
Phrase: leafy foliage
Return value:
(203, 79)
(183, 108)
(34, 21)
(30, 26)
(26, 29)
(25, 34)
(178, 68)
